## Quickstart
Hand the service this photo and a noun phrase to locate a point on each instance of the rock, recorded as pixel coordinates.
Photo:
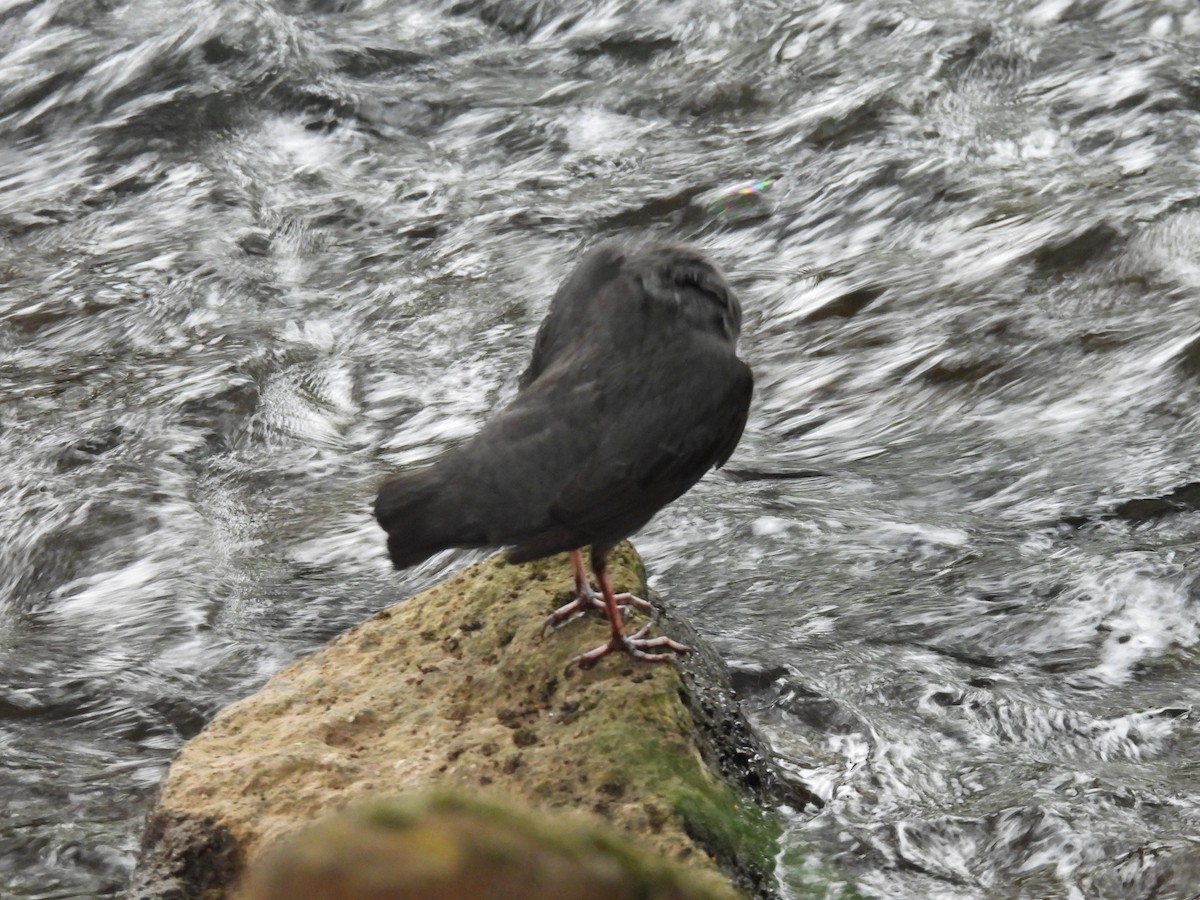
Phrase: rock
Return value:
(455, 687)
(451, 846)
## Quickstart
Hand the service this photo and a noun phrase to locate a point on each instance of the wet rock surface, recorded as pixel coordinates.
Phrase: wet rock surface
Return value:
(456, 687)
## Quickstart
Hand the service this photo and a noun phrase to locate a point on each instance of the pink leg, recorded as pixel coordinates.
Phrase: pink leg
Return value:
(586, 599)
(635, 645)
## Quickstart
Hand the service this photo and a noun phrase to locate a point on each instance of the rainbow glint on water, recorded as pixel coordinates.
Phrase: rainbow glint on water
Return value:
(742, 202)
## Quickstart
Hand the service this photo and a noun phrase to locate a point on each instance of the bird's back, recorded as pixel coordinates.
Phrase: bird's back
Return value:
(576, 309)
(633, 392)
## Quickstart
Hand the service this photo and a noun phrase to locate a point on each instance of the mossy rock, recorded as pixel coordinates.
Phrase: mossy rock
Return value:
(447, 845)
(457, 687)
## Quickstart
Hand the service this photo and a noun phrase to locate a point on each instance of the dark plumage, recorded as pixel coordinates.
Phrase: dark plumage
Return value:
(633, 392)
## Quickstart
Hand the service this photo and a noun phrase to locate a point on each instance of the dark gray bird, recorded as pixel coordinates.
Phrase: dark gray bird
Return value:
(633, 392)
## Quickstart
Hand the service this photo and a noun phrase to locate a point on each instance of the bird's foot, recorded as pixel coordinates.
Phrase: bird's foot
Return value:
(627, 600)
(586, 600)
(636, 646)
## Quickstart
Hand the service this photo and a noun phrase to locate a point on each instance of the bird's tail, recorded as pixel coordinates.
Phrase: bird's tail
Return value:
(421, 516)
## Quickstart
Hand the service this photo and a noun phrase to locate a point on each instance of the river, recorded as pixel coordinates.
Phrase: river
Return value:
(256, 255)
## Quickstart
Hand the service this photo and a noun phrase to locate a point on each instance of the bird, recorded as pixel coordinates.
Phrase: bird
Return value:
(634, 390)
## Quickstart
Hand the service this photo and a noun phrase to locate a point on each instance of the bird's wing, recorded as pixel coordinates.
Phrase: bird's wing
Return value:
(662, 437)
(572, 308)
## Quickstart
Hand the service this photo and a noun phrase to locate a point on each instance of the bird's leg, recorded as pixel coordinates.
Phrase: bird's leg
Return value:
(635, 645)
(586, 599)
(582, 588)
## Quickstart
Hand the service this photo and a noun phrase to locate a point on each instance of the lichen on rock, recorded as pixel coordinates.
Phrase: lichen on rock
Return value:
(457, 687)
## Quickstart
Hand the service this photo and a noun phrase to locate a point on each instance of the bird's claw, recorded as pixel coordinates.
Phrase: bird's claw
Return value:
(627, 599)
(587, 600)
(636, 646)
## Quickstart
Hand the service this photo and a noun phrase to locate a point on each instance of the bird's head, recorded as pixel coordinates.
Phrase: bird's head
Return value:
(693, 286)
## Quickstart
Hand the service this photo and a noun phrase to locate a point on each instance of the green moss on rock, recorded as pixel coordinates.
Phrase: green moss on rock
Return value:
(457, 687)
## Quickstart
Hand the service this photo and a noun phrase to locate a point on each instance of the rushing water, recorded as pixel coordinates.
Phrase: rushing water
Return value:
(255, 255)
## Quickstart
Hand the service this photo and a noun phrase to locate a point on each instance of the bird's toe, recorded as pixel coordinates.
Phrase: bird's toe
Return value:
(636, 602)
(636, 646)
(585, 601)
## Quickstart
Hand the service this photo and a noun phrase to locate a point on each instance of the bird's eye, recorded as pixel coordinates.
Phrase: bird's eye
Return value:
(702, 279)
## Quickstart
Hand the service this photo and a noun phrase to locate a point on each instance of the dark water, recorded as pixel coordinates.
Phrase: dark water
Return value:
(255, 255)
